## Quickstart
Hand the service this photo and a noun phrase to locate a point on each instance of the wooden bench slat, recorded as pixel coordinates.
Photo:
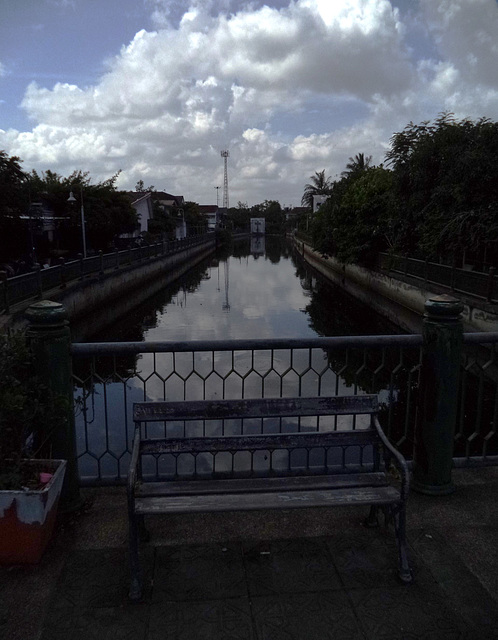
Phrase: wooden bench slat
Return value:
(359, 437)
(270, 500)
(238, 485)
(254, 408)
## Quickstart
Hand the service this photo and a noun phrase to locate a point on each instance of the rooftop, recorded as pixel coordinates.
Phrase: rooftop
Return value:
(293, 575)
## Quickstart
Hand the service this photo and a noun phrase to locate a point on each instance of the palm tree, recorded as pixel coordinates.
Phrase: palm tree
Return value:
(320, 185)
(357, 164)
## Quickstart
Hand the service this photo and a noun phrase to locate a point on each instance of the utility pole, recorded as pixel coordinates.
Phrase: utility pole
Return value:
(225, 155)
(217, 196)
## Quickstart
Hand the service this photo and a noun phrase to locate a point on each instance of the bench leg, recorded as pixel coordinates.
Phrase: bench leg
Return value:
(136, 586)
(372, 520)
(143, 532)
(404, 571)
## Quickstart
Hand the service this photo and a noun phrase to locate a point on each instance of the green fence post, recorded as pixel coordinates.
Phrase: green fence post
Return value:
(438, 396)
(39, 283)
(5, 287)
(50, 341)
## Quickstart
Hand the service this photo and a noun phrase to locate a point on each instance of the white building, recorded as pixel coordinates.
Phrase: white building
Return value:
(258, 226)
(318, 201)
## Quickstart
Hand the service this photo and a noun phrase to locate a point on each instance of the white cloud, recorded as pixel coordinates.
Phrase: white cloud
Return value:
(172, 98)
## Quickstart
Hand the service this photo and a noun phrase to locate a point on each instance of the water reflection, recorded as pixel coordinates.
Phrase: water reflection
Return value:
(238, 294)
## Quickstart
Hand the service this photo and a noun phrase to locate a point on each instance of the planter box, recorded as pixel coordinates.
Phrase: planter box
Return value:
(27, 518)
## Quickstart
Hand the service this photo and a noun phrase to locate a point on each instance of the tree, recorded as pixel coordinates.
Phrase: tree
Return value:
(240, 216)
(141, 188)
(351, 224)
(445, 186)
(108, 212)
(356, 165)
(14, 201)
(319, 185)
(193, 217)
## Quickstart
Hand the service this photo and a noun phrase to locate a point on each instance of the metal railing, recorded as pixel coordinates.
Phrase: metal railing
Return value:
(472, 283)
(483, 285)
(109, 377)
(36, 284)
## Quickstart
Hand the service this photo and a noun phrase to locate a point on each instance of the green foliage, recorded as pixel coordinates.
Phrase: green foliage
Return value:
(446, 184)
(438, 198)
(350, 224)
(108, 212)
(319, 185)
(357, 165)
(274, 217)
(14, 199)
(28, 410)
(240, 216)
(193, 217)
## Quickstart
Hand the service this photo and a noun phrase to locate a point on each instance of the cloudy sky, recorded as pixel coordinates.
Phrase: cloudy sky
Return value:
(157, 88)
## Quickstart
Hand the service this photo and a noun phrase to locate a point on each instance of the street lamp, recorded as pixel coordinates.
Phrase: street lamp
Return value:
(83, 235)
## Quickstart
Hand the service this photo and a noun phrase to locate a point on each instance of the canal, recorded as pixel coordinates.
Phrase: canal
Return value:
(255, 289)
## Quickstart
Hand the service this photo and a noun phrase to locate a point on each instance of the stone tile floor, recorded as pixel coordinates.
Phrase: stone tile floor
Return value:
(217, 576)
(342, 587)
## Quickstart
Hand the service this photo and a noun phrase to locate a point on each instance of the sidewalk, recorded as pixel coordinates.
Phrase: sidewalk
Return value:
(292, 575)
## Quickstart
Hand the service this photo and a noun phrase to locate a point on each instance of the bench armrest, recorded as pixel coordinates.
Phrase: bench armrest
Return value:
(133, 468)
(399, 460)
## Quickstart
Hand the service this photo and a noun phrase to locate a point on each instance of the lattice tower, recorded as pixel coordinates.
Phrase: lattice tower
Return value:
(225, 155)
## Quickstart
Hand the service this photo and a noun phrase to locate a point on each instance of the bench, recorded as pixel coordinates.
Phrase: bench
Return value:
(295, 467)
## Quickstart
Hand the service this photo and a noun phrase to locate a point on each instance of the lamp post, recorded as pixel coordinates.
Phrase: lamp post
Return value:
(83, 234)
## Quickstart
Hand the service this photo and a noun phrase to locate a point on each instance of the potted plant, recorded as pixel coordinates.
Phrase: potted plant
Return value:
(29, 485)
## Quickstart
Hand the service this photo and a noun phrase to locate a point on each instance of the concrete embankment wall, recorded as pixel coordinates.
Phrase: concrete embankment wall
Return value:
(400, 301)
(97, 302)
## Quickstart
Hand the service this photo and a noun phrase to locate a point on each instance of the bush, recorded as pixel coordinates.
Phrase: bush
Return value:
(29, 412)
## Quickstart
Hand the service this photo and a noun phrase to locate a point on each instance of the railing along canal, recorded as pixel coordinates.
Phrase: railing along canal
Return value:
(472, 283)
(476, 284)
(36, 284)
(109, 377)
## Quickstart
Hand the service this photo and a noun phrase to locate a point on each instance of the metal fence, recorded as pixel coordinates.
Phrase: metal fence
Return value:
(36, 284)
(478, 284)
(109, 377)
(473, 283)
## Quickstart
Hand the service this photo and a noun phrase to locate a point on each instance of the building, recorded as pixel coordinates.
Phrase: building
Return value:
(318, 200)
(258, 226)
(142, 203)
(212, 213)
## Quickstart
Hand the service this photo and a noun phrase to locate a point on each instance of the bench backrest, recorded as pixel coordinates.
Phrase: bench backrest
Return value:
(254, 408)
(237, 454)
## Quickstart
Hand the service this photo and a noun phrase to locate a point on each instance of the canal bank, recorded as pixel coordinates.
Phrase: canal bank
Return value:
(399, 299)
(98, 300)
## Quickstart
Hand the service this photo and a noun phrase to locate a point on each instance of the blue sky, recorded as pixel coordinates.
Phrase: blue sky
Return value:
(156, 88)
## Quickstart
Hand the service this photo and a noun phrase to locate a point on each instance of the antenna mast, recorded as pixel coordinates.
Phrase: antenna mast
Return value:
(225, 155)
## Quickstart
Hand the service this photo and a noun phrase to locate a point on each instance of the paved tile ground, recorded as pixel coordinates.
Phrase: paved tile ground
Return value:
(342, 586)
(316, 576)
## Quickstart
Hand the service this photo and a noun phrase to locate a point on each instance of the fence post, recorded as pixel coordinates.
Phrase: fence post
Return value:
(5, 287)
(101, 264)
(62, 263)
(491, 283)
(50, 340)
(116, 253)
(82, 268)
(453, 275)
(438, 396)
(39, 284)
